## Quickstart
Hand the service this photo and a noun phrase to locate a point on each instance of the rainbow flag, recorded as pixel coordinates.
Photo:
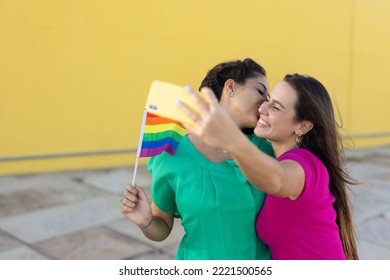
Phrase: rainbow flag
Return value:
(159, 134)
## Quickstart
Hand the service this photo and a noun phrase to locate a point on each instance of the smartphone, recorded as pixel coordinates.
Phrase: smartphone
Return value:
(162, 101)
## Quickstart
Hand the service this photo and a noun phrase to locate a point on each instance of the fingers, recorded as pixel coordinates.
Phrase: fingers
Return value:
(130, 199)
(134, 191)
(139, 192)
(131, 192)
(132, 195)
(194, 116)
(188, 111)
(209, 95)
(205, 105)
(202, 104)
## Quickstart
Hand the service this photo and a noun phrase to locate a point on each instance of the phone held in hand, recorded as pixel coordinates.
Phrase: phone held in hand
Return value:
(162, 100)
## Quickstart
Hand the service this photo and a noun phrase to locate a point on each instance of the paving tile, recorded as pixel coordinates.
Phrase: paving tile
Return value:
(155, 255)
(365, 208)
(75, 215)
(22, 253)
(170, 250)
(126, 227)
(47, 223)
(376, 231)
(43, 196)
(364, 172)
(369, 200)
(362, 154)
(385, 177)
(370, 251)
(379, 160)
(373, 188)
(383, 152)
(9, 184)
(386, 215)
(97, 243)
(7, 242)
(115, 180)
(26, 182)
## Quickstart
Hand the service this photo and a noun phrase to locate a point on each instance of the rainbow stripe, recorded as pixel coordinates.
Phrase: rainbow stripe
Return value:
(159, 134)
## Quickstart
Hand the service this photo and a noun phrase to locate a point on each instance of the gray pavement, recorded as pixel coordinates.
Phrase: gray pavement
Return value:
(76, 216)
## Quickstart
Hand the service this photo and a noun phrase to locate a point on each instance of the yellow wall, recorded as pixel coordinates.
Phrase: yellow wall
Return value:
(75, 74)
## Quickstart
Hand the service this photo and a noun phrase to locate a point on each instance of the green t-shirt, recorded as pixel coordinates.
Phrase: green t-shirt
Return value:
(217, 205)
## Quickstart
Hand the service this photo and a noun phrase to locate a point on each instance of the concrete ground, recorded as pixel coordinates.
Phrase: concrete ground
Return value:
(76, 216)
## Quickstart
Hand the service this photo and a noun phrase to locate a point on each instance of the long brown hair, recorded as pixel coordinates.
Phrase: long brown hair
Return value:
(314, 104)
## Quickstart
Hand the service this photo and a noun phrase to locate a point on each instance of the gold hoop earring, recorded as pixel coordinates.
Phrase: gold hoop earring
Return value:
(298, 140)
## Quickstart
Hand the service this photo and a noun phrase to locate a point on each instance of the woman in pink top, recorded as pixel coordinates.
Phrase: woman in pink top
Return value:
(306, 214)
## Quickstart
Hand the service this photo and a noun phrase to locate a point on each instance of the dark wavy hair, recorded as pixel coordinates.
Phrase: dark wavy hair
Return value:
(237, 70)
(314, 104)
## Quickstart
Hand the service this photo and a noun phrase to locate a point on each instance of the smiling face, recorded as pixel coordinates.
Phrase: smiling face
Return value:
(243, 101)
(276, 122)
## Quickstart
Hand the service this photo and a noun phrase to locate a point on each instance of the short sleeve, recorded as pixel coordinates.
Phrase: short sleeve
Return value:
(163, 192)
(308, 165)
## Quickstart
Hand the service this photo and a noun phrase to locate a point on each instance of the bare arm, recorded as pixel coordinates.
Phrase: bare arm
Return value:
(214, 125)
(161, 225)
(283, 179)
(154, 223)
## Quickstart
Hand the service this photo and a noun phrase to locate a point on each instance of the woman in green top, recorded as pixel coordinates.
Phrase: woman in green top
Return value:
(203, 186)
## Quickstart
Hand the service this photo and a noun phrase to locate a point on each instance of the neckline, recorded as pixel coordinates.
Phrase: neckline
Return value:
(194, 153)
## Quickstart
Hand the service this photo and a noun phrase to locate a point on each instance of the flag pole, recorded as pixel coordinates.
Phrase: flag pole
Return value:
(135, 170)
(141, 136)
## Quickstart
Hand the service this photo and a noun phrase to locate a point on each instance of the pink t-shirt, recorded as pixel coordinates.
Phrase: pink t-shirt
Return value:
(305, 228)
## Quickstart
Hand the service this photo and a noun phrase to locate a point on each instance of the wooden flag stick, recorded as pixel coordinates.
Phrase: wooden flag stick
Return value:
(141, 136)
(135, 170)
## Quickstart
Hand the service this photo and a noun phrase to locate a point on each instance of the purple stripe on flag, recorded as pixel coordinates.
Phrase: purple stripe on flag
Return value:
(156, 151)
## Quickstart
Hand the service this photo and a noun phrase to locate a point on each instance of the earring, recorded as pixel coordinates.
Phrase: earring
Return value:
(298, 140)
(231, 93)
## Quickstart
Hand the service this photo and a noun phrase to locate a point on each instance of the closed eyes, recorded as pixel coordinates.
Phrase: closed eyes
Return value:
(262, 94)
